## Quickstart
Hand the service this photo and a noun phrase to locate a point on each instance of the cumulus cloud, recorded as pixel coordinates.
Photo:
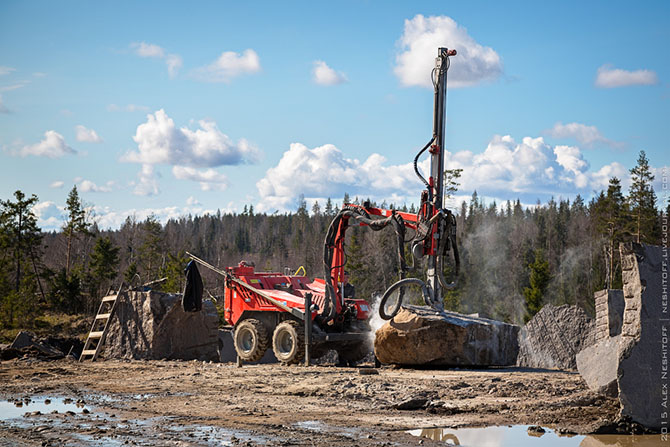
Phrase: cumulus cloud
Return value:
(529, 170)
(53, 146)
(89, 186)
(127, 108)
(610, 77)
(192, 201)
(149, 50)
(324, 75)
(228, 66)
(147, 183)
(325, 172)
(209, 179)
(57, 184)
(418, 48)
(87, 135)
(160, 141)
(585, 135)
(49, 215)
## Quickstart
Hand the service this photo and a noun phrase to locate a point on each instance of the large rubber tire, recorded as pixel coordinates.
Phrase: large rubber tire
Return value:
(394, 296)
(288, 342)
(251, 340)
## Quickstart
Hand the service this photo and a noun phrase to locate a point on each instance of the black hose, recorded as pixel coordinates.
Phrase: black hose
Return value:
(359, 215)
(416, 169)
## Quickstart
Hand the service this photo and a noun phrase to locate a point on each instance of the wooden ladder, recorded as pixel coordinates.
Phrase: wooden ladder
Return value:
(99, 329)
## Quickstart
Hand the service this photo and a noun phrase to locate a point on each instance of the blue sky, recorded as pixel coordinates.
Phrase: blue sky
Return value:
(174, 108)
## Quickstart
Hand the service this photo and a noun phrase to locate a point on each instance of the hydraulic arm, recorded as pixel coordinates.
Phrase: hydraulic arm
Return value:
(434, 227)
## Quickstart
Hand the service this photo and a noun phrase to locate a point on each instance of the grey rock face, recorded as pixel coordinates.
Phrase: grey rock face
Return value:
(644, 335)
(609, 313)
(598, 365)
(153, 325)
(422, 336)
(554, 336)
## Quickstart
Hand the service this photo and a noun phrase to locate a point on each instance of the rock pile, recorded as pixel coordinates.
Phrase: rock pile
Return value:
(422, 336)
(153, 325)
(27, 344)
(554, 336)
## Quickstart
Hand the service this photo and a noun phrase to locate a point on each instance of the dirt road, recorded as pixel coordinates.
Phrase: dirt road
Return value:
(196, 403)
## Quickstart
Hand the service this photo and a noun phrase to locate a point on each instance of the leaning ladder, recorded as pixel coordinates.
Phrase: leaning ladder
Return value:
(99, 328)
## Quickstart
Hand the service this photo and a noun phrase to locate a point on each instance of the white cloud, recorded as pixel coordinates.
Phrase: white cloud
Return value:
(57, 184)
(529, 170)
(325, 172)
(159, 141)
(144, 49)
(147, 184)
(192, 201)
(87, 135)
(418, 48)
(53, 146)
(89, 186)
(15, 86)
(324, 75)
(3, 108)
(209, 179)
(49, 215)
(174, 63)
(610, 77)
(127, 108)
(586, 135)
(106, 217)
(4, 70)
(228, 66)
(149, 50)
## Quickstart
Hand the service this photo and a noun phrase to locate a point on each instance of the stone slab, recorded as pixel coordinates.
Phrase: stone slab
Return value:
(554, 336)
(645, 330)
(609, 313)
(598, 365)
(422, 336)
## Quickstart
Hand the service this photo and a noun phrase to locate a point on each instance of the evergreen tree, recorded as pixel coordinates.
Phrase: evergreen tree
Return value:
(451, 182)
(539, 280)
(104, 264)
(329, 211)
(75, 223)
(151, 248)
(20, 240)
(642, 200)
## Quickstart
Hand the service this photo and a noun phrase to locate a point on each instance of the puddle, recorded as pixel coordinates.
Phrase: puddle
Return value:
(348, 432)
(518, 435)
(45, 405)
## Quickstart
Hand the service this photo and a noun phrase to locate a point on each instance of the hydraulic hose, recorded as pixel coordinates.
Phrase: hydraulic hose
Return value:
(334, 230)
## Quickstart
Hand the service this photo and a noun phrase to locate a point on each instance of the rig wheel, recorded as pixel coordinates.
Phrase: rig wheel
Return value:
(288, 342)
(251, 340)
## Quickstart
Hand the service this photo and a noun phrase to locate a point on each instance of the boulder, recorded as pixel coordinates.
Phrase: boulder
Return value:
(643, 351)
(554, 336)
(598, 365)
(423, 336)
(153, 325)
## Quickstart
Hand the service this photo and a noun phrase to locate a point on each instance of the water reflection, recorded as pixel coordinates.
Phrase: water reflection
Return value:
(519, 435)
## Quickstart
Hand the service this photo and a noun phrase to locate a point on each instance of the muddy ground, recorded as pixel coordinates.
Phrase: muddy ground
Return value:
(196, 403)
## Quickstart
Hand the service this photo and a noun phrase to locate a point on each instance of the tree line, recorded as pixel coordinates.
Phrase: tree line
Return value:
(514, 259)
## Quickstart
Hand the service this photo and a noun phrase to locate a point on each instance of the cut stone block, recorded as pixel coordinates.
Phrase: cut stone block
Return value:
(554, 336)
(422, 336)
(643, 351)
(153, 325)
(609, 313)
(598, 365)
